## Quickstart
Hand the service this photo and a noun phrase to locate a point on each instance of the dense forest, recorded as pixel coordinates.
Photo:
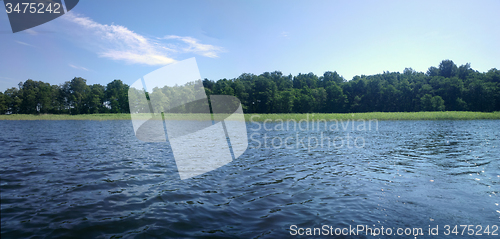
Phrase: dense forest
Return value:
(446, 87)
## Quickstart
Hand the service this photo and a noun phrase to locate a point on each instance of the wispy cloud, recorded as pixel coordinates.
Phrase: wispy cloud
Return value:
(120, 43)
(78, 67)
(31, 32)
(8, 80)
(193, 46)
(24, 43)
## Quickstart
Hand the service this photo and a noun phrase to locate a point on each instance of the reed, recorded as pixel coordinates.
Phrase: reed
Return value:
(438, 115)
(66, 117)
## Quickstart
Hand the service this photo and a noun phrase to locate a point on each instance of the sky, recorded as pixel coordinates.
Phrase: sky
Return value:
(122, 39)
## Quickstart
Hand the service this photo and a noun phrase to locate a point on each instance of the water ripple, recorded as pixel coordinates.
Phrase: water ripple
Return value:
(95, 179)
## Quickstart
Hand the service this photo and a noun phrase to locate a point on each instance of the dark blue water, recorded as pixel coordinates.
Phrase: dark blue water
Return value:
(94, 179)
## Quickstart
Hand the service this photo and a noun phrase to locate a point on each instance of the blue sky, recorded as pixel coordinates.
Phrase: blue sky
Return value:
(106, 40)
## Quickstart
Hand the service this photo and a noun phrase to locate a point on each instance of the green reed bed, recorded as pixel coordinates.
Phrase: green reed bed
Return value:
(446, 115)
(66, 117)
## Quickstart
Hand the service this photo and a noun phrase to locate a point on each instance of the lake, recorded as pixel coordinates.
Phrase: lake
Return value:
(95, 179)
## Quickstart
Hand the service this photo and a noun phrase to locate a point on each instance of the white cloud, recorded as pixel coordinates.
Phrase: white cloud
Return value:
(120, 43)
(24, 43)
(193, 46)
(78, 67)
(7, 78)
(31, 32)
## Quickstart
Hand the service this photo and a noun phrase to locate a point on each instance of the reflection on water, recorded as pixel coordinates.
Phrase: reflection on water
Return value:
(95, 179)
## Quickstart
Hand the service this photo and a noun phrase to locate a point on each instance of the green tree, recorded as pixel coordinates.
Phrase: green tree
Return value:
(450, 89)
(284, 102)
(304, 102)
(336, 100)
(116, 95)
(447, 69)
(29, 95)
(57, 100)
(445, 87)
(433, 71)
(14, 100)
(356, 104)
(426, 103)
(3, 103)
(159, 101)
(464, 71)
(331, 77)
(95, 99)
(77, 92)
(44, 98)
(430, 103)
(480, 96)
(437, 103)
(302, 80)
(493, 79)
(406, 95)
(282, 82)
(264, 95)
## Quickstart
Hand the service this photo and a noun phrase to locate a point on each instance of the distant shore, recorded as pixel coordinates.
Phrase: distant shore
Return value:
(438, 115)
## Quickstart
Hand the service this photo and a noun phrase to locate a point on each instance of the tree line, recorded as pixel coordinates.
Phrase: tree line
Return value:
(72, 97)
(446, 87)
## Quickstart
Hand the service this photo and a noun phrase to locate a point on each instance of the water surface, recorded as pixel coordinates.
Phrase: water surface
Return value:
(94, 179)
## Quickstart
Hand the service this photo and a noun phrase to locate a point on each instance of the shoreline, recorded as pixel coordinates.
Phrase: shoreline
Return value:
(436, 115)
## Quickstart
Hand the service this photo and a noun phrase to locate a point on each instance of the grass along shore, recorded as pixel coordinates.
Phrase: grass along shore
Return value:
(438, 115)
